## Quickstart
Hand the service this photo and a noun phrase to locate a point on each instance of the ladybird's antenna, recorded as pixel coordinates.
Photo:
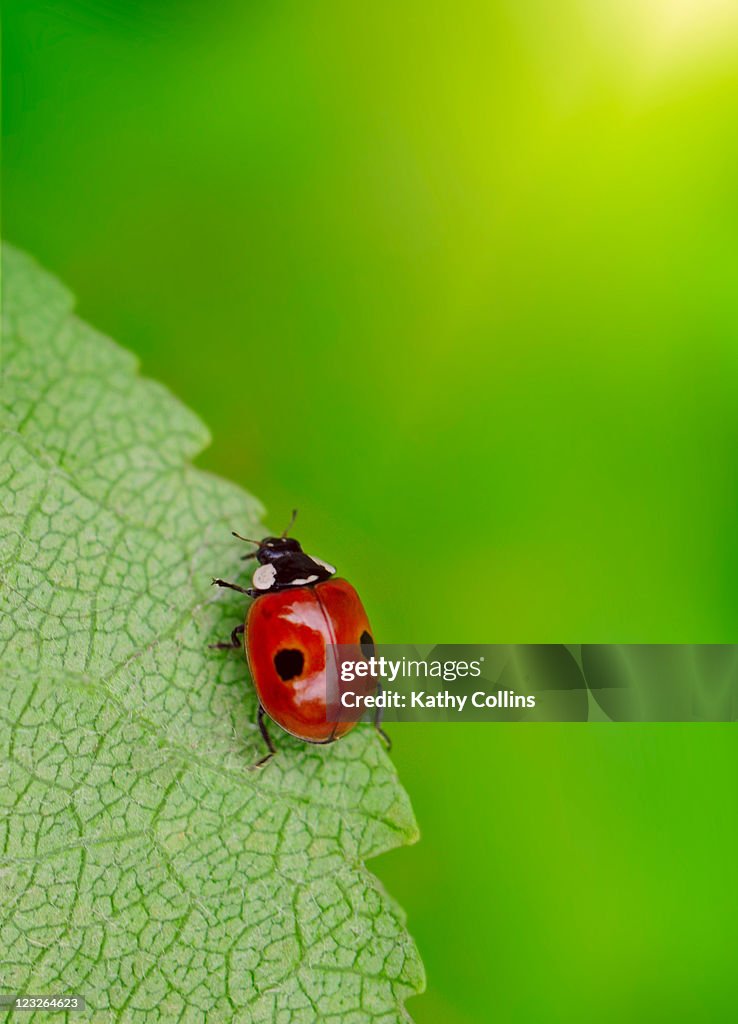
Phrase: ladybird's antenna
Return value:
(291, 522)
(249, 540)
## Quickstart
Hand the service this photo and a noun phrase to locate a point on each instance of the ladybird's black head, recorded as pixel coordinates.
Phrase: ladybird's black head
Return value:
(272, 549)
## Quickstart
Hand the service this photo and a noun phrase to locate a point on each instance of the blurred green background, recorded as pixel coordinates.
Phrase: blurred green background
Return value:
(461, 282)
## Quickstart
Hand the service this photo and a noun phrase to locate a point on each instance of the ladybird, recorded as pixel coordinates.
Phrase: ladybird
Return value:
(299, 607)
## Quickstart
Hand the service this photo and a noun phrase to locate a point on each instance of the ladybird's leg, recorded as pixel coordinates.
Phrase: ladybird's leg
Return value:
(267, 739)
(253, 592)
(378, 721)
(378, 726)
(234, 642)
(231, 586)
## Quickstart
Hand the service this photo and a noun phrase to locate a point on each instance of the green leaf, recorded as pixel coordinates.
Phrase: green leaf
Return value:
(144, 866)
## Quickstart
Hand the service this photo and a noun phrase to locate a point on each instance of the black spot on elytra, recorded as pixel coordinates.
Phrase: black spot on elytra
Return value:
(367, 644)
(289, 663)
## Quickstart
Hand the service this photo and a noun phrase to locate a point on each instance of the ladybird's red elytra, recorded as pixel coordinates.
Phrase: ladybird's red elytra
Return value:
(299, 608)
(286, 637)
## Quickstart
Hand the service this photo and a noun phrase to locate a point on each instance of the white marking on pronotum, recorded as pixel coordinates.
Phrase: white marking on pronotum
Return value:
(264, 576)
(304, 583)
(319, 561)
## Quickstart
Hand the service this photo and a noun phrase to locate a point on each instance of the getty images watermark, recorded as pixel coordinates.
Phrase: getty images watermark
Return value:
(533, 682)
(387, 670)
